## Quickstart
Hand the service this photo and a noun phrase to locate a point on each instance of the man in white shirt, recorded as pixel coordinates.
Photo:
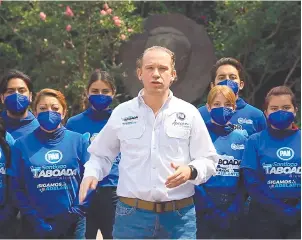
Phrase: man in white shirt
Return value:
(165, 149)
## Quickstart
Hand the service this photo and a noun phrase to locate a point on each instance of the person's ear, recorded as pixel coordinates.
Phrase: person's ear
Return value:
(64, 114)
(241, 85)
(139, 73)
(30, 97)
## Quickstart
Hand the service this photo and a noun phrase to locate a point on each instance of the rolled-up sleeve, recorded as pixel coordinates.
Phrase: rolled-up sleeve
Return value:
(103, 150)
(202, 151)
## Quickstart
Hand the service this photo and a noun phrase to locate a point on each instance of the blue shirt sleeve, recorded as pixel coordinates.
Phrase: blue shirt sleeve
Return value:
(9, 211)
(238, 203)
(18, 183)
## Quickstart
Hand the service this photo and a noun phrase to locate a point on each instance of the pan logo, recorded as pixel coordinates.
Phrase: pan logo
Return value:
(53, 156)
(285, 153)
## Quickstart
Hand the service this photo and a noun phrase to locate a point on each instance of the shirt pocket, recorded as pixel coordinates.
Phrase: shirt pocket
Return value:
(175, 142)
(132, 140)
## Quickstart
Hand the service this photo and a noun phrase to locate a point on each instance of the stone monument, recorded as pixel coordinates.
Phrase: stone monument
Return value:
(192, 47)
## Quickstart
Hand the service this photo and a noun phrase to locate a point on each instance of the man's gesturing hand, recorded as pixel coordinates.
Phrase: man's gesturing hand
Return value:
(180, 176)
(87, 184)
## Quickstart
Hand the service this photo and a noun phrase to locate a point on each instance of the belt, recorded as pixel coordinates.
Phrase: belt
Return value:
(158, 207)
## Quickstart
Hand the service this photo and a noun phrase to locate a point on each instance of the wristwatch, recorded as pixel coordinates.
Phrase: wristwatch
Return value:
(193, 172)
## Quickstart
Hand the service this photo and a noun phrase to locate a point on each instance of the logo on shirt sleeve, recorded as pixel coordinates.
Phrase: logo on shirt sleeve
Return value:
(53, 156)
(285, 153)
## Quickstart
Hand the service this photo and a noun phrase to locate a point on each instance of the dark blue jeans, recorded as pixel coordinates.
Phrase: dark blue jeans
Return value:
(135, 223)
(101, 213)
(65, 226)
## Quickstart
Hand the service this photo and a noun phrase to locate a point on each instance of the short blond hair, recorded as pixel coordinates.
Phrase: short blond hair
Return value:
(225, 91)
(139, 61)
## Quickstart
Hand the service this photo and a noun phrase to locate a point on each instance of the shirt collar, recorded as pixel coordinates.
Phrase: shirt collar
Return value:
(141, 100)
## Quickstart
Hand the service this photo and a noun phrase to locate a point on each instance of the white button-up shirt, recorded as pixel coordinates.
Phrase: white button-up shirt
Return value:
(149, 144)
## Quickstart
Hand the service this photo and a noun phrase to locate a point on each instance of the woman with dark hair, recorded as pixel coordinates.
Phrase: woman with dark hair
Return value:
(272, 170)
(47, 168)
(100, 92)
(7, 211)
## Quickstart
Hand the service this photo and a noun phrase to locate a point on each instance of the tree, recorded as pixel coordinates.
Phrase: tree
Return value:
(59, 44)
(265, 37)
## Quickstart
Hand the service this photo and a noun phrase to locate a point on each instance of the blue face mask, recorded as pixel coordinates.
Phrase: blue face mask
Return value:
(281, 119)
(49, 120)
(100, 101)
(221, 115)
(231, 84)
(16, 103)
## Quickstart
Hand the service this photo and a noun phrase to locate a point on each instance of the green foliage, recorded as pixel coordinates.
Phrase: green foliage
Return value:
(60, 49)
(264, 36)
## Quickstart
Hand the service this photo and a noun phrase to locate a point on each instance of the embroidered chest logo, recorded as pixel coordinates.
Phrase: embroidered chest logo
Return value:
(129, 120)
(285, 153)
(180, 121)
(181, 116)
(53, 156)
(245, 121)
(235, 146)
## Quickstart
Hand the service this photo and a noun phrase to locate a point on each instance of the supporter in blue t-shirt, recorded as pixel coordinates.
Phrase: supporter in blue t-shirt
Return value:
(228, 71)
(272, 171)
(47, 169)
(16, 94)
(7, 211)
(101, 213)
(220, 200)
(16, 90)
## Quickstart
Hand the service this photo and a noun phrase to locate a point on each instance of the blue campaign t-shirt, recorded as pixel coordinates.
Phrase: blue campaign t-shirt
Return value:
(20, 127)
(90, 123)
(50, 171)
(3, 164)
(246, 117)
(277, 161)
(230, 147)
